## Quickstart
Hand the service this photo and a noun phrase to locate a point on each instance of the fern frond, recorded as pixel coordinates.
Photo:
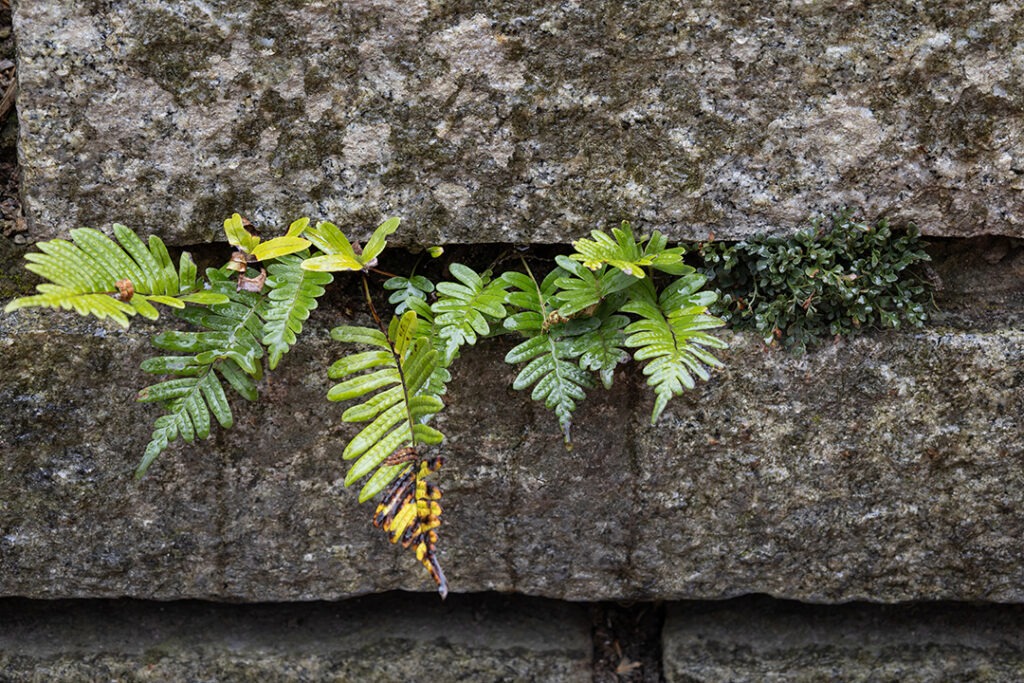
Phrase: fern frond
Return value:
(394, 378)
(189, 401)
(465, 310)
(626, 253)
(600, 350)
(670, 336)
(93, 275)
(583, 289)
(404, 288)
(227, 348)
(550, 353)
(292, 295)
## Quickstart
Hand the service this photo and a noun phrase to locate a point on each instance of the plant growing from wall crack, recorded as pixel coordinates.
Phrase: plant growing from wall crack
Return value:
(615, 297)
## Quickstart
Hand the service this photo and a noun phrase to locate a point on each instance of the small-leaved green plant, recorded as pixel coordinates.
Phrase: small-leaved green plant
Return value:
(834, 278)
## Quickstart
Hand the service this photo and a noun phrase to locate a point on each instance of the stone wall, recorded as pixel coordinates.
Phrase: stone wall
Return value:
(519, 121)
(888, 468)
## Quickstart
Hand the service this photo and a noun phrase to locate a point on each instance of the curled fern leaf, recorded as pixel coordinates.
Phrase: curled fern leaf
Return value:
(293, 294)
(670, 336)
(93, 275)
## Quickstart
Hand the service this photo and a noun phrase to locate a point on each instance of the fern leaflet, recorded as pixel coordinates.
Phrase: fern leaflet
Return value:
(293, 294)
(549, 352)
(93, 275)
(466, 309)
(627, 254)
(227, 348)
(670, 336)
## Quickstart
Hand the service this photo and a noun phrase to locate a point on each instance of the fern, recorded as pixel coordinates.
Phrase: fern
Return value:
(549, 352)
(227, 349)
(395, 374)
(670, 336)
(93, 275)
(600, 350)
(627, 254)
(399, 404)
(465, 310)
(582, 289)
(409, 512)
(293, 295)
(404, 288)
(250, 244)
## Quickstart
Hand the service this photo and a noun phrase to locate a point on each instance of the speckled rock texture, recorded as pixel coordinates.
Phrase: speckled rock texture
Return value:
(384, 638)
(505, 121)
(886, 468)
(765, 641)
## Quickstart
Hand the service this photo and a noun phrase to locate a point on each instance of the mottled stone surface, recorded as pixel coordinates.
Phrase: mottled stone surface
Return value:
(398, 637)
(887, 468)
(761, 641)
(506, 121)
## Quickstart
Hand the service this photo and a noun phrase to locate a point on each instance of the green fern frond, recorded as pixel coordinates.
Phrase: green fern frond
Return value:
(550, 352)
(227, 348)
(292, 296)
(600, 350)
(93, 275)
(627, 253)
(404, 288)
(189, 401)
(583, 289)
(394, 375)
(670, 336)
(465, 310)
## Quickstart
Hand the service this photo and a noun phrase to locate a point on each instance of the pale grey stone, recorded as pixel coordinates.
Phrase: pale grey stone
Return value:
(514, 121)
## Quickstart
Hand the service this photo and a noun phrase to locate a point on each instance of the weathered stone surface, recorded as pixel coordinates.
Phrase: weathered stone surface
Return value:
(762, 640)
(886, 468)
(397, 637)
(506, 121)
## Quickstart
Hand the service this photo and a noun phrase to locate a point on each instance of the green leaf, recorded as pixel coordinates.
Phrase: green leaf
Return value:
(378, 240)
(397, 396)
(332, 263)
(238, 236)
(279, 246)
(669, 336)
(465, 310)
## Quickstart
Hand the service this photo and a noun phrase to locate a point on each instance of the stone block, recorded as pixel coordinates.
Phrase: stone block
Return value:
(886, 468)
(762, 640)
(397, 637)
(514, 121)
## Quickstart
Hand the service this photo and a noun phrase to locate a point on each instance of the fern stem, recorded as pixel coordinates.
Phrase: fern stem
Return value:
(398, 359)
